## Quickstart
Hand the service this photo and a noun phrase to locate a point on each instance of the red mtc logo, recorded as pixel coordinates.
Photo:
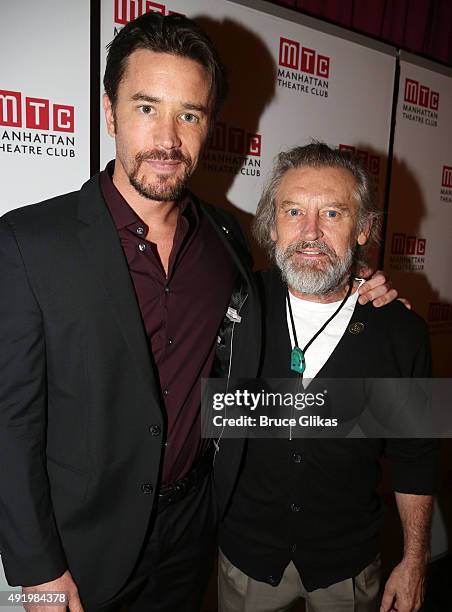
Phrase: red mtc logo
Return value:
(128, 10)
(371, 162)
(439, 311)
(235, 140)
(447, 176)
(407, 245)
(295, 56)
(418, 94)
(37, 113)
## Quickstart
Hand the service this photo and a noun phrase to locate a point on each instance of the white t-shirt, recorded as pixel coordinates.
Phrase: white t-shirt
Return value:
(309, 318)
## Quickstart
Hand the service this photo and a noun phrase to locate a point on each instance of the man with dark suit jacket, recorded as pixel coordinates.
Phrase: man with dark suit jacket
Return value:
(304, 517)
(110, 304)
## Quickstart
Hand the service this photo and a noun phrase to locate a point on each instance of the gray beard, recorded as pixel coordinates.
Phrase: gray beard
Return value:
(305, 277)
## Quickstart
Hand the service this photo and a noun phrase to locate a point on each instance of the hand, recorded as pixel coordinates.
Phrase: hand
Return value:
(63, 584)
(404, 590)
(376, 290)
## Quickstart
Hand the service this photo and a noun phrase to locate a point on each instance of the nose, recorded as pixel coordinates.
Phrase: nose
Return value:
(310, 226)
(166, 133)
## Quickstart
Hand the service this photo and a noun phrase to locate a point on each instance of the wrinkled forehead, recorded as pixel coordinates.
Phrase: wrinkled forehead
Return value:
(318, 186)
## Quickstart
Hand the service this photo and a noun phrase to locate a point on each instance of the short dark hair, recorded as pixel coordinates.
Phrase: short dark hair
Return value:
(318, 155)
(173, 34)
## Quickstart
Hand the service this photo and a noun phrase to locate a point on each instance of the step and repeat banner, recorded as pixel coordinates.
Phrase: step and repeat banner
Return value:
(418, 251)
(288, 84)
(44, 99)
(44, 106)
(292, 79)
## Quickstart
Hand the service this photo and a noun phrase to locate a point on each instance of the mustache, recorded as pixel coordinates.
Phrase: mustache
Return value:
(318, 245)
(159, 155)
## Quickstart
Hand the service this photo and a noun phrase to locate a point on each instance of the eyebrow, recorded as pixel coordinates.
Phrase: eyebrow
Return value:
(142, 97)
(341, 206)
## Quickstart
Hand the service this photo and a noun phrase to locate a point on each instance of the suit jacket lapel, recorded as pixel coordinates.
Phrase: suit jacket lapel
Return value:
(242, 259)
(106, 260)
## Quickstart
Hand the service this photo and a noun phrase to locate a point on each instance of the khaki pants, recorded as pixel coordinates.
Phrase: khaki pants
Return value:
(237, 592)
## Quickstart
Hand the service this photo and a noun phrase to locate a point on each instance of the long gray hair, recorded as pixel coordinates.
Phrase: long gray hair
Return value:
(318, 155)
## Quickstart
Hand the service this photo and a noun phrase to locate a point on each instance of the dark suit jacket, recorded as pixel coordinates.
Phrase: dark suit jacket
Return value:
(78, 393)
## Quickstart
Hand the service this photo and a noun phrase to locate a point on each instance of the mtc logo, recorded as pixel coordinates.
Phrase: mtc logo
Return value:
(407, 245)
(128, 10)
(439, 311)
(447, 176)
(295, 56)
(371, 162)
(38, 113)
(418, 94)
(235, 140)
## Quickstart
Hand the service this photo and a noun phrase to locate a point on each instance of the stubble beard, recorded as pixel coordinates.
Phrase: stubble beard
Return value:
(162, 188)
(309, 278)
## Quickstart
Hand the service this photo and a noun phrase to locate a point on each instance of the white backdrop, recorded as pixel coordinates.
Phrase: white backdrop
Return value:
(44, 99)
(292, 79)
(44, 105)
(418, 253)
(288, 83)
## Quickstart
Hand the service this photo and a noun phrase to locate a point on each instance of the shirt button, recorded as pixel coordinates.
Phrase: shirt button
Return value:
(296, 458)
(272, 580)
(166, 290)
(142, 247)
(295, 507)
(170, 342)
(147, 488)
(140, 231)
(155, 430)
(165, 392)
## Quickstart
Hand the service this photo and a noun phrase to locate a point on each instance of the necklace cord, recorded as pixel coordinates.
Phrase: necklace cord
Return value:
(294, 332)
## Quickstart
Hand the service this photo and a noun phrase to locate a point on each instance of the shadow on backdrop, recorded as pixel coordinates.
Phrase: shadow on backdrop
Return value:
(252, 80)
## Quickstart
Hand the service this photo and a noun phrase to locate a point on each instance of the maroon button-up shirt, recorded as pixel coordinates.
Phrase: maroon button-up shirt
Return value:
(182, 313)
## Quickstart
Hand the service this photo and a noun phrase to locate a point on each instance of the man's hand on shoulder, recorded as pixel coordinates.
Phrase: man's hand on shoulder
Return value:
(404, 590)
(63, 584)
(378, 290)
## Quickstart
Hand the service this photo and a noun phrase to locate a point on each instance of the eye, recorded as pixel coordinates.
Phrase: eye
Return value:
(189, 118)
(293, 212)
(146, 109)
(332, 214)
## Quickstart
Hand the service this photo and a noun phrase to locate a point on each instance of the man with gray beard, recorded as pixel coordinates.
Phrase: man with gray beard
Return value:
(304, 517)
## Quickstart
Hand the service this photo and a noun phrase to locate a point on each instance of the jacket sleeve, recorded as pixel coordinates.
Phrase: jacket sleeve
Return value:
(29, 541)
(414, 461)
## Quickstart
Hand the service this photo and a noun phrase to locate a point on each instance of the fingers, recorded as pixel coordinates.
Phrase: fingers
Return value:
(74, 604)
(34, 608)
(379, 296)
(406, 303)
(387, 600)
(377, 290)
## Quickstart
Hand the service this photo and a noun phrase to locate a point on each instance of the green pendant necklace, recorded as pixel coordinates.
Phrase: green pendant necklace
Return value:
(297, 355)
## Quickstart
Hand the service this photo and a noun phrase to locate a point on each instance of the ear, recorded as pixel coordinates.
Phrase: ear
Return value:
(109, 115)
(273, 234)
(363, 235)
